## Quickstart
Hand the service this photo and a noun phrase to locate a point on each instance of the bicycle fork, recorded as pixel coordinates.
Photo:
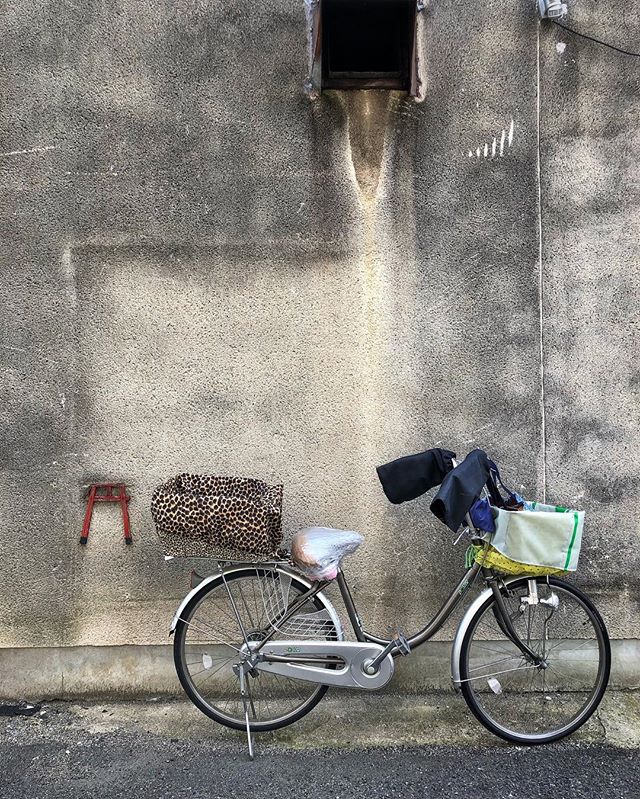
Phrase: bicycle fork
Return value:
(509, 629)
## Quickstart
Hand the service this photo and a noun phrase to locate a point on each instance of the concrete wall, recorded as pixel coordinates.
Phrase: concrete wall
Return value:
(206, 271)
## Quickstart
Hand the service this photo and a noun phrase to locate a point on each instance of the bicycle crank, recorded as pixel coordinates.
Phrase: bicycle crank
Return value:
(342, 664)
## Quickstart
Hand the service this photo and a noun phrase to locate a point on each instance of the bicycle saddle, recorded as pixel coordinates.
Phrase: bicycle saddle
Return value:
(317, 551)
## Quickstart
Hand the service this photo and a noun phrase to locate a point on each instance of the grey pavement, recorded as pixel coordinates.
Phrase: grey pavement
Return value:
(344, 749)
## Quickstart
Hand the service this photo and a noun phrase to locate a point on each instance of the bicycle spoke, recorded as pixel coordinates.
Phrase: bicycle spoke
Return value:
(534, 699)
(261, 597)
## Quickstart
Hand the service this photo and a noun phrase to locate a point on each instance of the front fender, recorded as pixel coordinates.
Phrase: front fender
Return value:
(294, 575)
(462, 629)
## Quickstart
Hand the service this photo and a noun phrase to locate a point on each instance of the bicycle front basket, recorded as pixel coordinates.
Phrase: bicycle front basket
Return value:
(543, 540)
(227, 518)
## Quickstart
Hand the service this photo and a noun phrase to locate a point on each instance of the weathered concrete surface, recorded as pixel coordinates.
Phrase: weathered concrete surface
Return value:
(165, 751)
(205, 271)
(590, 101)
(360, 720)
(355, 721)
(138, 671)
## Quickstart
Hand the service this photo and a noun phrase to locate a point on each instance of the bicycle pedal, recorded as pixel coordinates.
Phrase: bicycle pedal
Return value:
(400, 641)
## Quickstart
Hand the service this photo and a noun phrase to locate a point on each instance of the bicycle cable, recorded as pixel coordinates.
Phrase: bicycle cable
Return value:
(593, 39)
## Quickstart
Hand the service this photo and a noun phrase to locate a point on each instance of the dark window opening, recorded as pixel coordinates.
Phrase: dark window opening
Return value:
(367, 43)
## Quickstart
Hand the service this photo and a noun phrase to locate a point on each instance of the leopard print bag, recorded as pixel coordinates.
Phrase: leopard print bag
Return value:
(228, 518)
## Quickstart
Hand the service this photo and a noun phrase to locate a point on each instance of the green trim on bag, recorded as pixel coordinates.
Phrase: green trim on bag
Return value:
(573, 538)
(469, 556)
(533, 505)
(560, 509)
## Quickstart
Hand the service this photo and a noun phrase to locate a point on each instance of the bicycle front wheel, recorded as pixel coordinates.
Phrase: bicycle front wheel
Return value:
(517, 699)
(210, 635)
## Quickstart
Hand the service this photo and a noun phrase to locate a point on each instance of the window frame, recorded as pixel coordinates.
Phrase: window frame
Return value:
(318, 81)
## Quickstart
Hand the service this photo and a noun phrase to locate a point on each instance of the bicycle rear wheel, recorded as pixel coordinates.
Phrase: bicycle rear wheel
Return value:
(527, 703)
(208, 641)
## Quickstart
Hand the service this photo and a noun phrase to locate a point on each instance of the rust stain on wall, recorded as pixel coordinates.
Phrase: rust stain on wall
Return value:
(368, 113)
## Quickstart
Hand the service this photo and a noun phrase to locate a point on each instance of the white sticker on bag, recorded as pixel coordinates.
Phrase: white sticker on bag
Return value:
(207, 661)
(495, 685)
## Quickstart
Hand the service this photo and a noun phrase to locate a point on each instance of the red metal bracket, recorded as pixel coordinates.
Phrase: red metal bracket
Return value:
(105, 492)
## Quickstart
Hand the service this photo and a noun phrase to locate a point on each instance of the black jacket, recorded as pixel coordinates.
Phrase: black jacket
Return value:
(409, 477)
(461, 487)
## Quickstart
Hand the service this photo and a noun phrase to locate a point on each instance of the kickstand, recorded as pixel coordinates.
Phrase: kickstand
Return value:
(243, 694)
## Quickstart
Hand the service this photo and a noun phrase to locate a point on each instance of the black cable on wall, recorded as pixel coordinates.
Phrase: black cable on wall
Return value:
(593, 39)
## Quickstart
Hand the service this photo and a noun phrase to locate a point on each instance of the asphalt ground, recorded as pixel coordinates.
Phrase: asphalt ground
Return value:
(167, 749)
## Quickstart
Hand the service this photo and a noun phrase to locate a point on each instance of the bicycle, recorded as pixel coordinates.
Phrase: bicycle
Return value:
(258, 645)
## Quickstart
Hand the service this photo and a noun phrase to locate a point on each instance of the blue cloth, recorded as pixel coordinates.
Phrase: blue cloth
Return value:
(482, 517)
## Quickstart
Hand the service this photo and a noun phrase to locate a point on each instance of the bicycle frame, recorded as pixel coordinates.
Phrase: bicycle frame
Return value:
(390, 646)
(430, 629)
(360, 633)
(422, 636)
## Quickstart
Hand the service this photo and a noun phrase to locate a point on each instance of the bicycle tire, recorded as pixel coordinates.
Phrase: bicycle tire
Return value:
(599, 688)
(187, 683)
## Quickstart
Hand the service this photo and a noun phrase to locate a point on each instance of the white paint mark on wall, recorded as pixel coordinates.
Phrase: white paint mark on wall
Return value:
(30, 150)
(561, 47)
(496, 145)
(109, 174)
(17, 349)
(479, 430)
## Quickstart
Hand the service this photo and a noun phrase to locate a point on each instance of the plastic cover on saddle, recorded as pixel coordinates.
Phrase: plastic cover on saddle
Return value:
(317, 551)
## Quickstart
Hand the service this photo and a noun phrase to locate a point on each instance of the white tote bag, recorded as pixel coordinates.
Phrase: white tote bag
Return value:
(547, 535)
